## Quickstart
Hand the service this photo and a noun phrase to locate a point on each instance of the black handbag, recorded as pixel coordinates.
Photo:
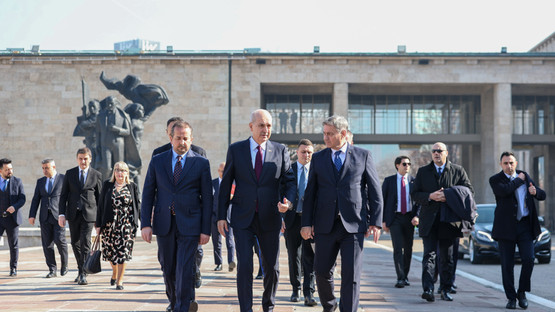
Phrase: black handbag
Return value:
(92, 262)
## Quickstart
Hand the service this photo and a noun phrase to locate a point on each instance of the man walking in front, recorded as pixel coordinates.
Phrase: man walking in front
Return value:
(299, 251)
(78, 203)
(47, 194)
(429, 184)
(342, 205)
(260, 169)
(178, 186)
(12, 198)
(515, 224)
(399, 211)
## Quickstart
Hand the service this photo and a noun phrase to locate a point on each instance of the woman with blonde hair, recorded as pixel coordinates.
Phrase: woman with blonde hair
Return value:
(117, 220)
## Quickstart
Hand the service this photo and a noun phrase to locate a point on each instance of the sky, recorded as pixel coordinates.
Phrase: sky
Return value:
(279, 26)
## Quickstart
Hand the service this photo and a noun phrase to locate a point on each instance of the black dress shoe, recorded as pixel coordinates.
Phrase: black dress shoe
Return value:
(406, 281)
(218, 267)
(193, 306)
(454, 286)
(13, 272)
(259, 275)
(83, 280)
(63, 271)
(309, 301)
(400, 284)
(232, 266)
(446, 296)
(452, 290)
(119, 287)
(169, 308)
(198, 280)
(428, 295)
(294, 297)
(112, 281)
(76, 280)
(522, 301)
(51, 274)
(511, 304)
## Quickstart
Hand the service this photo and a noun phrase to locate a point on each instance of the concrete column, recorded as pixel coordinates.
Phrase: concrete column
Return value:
(496, 124)
(341, 99)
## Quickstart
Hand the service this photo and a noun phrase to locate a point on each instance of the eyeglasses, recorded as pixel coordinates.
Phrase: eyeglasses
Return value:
(406, 164)
(439, 151)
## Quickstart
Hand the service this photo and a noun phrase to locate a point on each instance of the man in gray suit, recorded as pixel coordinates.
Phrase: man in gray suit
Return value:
(47, 193)
(260, 169)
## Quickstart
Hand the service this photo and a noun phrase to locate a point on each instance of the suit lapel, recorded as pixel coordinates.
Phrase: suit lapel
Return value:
(347, 163)
(249, 159)
(167, 161)
(189, 162)
(328, 163)
(268, 158)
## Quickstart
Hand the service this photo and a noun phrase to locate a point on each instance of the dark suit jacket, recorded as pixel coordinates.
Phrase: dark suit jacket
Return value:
(166, 147)
(289, 216)
(74, 196)
(504, 222)
(216, 189)
(356, 194)
(389, 192)
(47, 200)
(276, 175)
(192, 196)
(17, 198)
(105, 211)
(428, 181)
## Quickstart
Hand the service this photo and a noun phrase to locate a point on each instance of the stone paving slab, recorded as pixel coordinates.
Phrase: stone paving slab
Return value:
(144, 287)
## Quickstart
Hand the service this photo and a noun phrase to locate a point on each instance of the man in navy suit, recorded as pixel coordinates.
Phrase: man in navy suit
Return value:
(80, 192)
(12, 198)
(178, 186)
(342, 204)
(299, 251)
(47, 194)
(198, 150)
(515, 223)
(398, 215)
(216, 237)
(261, 170)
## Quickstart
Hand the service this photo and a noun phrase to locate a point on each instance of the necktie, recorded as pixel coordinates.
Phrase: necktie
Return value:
(301, 189)
(176, 173)
(519, 208)
(50, 185)
(258, 162)
(337, 161)
(439, 170)
(403, 196)
(82, 178)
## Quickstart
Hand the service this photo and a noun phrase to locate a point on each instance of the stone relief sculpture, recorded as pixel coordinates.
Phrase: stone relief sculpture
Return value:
(112, 133)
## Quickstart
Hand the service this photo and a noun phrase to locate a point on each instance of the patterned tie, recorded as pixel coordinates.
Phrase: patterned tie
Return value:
(176, 173)
(301, 189)
(258, 162)
(50, 185)
(403, 196)
(337, 161)
(439, 171)
(82, 178)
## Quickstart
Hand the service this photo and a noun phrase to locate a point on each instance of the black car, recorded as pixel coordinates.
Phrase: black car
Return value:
(479, 245)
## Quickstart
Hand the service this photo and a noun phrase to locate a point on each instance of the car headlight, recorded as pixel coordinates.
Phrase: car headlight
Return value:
(543, 236)
(485, 236)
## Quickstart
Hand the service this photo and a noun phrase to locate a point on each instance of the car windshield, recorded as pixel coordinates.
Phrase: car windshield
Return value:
(485, 213)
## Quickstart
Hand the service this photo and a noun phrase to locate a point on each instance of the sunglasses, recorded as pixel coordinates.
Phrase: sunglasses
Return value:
(406, 164)
(439, 151)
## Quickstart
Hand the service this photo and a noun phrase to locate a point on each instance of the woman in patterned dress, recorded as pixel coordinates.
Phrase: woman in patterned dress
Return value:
(117, 220)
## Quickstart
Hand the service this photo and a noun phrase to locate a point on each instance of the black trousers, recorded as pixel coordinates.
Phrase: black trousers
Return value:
(11, 228)
(80, 233)
(402, 237)
(447, 262)
(53, 234)
(300, 257)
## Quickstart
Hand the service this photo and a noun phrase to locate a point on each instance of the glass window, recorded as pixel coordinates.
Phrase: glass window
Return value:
(298, 113)
(533, 114)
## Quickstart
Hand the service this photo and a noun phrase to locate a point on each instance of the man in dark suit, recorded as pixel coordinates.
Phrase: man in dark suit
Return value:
(299, 251)
(261, 170)
(342, 204)
(80, 192)
(198, 150)
(177, 186)
(47, 194)
(216, 237)
(428, 188)
(12, 198)
(398, 214)
(515, 224)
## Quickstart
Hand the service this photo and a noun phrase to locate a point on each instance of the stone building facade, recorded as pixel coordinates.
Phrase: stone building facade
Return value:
(480, 104)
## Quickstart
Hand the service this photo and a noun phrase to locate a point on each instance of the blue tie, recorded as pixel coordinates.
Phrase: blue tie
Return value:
(439, 170)
(301, 189)
(337, 161)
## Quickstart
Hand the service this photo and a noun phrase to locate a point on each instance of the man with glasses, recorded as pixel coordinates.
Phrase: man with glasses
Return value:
(428, 191)
(399, 212)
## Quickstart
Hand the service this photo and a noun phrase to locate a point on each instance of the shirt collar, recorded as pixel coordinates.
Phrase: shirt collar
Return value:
(174, 154)
(299, 165)
(401, 176)
(511, 176)
(253, 144)
(343, 149)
